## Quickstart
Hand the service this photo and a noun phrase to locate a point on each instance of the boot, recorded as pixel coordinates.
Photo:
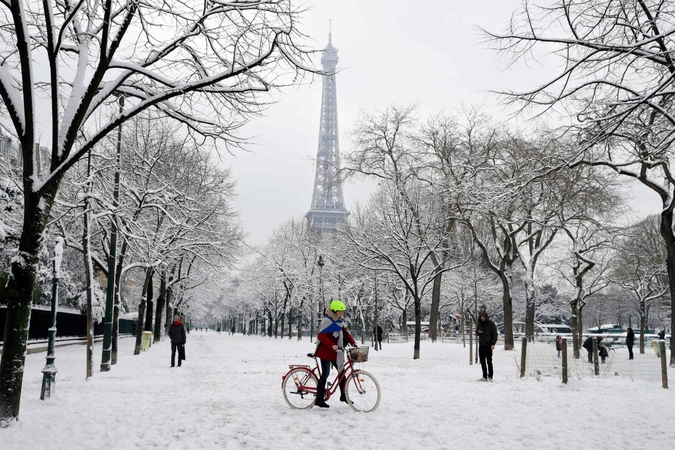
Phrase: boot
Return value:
(343, 397)
(320, 394)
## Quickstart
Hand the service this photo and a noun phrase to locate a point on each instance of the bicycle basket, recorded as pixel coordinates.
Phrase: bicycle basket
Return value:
(359, 354)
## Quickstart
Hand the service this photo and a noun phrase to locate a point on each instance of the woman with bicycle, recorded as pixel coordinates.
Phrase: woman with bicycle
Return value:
(332, 333)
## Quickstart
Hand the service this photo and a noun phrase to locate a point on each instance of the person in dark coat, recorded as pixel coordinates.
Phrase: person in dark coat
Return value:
(588, 345)
(630, 340)
(558, 344)
(486, 330)
(332, 333)
(378, 336)
(602, 350)
(178, 339)
(662, 335)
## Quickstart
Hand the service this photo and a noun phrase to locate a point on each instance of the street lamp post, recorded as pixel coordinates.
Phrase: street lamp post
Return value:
(106, 356)
(322, 301)
(49, 371)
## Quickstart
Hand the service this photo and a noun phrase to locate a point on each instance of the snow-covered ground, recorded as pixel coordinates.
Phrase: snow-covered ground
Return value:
(228, 395)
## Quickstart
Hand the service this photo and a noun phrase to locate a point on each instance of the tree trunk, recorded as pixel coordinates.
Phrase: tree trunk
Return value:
(529, 304)
(666, 230)
(508, 311)
(160, 306)
(642, 327)
(290, 323)
(89, 274)
(18, 295)
(141, 311)
(435, 304)
(299, 317)
(167, 310)
(418, 326)
(576, 334)
(283, 315)
(148, 305)
(118, 301)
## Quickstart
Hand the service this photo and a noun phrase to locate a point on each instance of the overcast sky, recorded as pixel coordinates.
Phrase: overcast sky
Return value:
(391, 53)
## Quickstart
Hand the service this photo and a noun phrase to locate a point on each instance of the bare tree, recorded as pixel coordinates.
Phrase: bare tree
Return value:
(585, 270)
(616, 81)
(392, 236)
(201, 64)
(640, 267)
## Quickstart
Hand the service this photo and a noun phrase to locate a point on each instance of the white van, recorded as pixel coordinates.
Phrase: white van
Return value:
(605, 328)
(553, 329)
(545, 330)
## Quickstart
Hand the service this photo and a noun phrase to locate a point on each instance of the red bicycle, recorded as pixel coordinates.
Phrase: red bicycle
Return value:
(361, 388)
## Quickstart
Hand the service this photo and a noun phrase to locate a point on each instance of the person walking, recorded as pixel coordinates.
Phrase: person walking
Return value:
(486, 330)
(332, 333)
(377, 332)
(630, 340)
(178, 338)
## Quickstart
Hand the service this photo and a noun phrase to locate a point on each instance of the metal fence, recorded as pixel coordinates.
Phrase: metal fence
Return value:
(69, 324)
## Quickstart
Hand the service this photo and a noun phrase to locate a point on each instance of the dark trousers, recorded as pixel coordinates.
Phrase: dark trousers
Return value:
(378, 343)
(181, 353)
(485, 357)
(630, 352)
(325, 372)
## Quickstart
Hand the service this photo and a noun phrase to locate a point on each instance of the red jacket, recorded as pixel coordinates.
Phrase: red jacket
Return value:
(330, 331)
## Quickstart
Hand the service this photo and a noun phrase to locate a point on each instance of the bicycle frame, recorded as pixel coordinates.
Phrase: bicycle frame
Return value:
(316, 370)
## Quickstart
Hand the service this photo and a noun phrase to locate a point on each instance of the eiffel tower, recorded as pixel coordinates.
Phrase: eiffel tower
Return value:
(328, 208)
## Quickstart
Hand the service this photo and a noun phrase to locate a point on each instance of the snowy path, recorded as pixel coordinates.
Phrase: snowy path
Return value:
(227, 395)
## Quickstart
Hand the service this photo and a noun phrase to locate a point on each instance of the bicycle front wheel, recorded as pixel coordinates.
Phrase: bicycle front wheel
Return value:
(363, 392)
(299, 388)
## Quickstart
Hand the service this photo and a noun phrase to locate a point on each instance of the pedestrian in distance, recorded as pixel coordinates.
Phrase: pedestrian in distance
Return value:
(662, 334)
(178, 339)
(232, 330)
(486, 330)
(630, 340)
(588, 345)
(602, 349)
(329, 349)
(558, 344)
(377, 334)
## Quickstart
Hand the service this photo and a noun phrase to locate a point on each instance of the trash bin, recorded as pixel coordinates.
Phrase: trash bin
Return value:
(146, 340)
(657, 348)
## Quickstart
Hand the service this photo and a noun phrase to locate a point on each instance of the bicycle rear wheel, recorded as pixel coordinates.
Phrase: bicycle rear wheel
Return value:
(363, 392)
(299, 388)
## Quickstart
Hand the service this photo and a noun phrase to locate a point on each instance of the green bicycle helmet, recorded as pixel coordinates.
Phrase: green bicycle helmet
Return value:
(337, 305)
